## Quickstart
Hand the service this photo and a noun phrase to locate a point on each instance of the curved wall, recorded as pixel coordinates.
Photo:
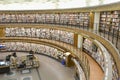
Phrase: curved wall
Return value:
(114, 53)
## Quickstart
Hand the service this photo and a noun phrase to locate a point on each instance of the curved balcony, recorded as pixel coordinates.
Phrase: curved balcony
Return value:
(78, 22)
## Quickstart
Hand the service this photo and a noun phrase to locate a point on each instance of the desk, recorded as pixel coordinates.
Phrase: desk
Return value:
(27, 62)
(4, 67)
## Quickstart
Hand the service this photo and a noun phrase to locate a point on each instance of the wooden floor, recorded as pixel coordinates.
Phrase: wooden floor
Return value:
(95, 71)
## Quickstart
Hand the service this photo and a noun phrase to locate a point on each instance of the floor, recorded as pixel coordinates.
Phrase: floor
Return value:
(52, 70)
(96, 72)
(49, 69)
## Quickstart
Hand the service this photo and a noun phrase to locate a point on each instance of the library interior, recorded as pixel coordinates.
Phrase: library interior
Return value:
(59, 39)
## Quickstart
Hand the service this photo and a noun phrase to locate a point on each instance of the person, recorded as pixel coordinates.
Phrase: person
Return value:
(31, 52)
(13, 60)
(63, 62)
(8, 57)
(14, 54)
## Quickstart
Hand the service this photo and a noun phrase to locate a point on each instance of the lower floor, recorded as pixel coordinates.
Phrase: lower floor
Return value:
(49, 69)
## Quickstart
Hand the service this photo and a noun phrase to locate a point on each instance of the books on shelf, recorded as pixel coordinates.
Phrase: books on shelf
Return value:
(95, 52)
(110, 19)
(48, 18)
(42, 33)
(114, 70)
(39, 48)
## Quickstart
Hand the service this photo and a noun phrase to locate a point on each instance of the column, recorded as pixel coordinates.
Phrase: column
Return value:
(96, 21)
(80, 41)
(75, 40)
(91, 20)
(2, 32)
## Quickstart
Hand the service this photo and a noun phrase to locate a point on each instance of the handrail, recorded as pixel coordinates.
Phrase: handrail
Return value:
(104, 31)
(108, 67)
(78, 67)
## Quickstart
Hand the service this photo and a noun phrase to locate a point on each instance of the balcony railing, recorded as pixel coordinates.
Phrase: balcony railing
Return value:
(108, 32)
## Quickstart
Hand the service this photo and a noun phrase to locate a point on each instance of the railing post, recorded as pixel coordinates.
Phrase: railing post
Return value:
(109, 32)
(117, 39)
(113, 36)
(104, 32)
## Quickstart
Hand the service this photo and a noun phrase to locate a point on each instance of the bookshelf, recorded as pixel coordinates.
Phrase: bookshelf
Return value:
(39, 48)
(41, 33)
(114, 70)
(81, 18)
(94, 51)
(84, 19)
(109, 20)
(87, 45)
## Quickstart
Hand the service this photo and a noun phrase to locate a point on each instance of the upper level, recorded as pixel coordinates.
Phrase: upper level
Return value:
(103, 20)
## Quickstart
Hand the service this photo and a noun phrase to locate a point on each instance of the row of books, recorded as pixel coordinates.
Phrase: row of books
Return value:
(60, 18)
(114, 70)
(110, 18)
(79, 75)
(42, 33)
(95, 52)
(39, 48)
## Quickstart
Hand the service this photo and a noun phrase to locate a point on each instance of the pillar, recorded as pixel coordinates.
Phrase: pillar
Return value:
(2, 32)
(91, 20)
(96, 21)
(75, 40)
(80, 41)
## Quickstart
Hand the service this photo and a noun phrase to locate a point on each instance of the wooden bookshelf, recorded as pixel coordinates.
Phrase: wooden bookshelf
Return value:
(76, 18)
(109, 20)
(95, 52)
(41, 33)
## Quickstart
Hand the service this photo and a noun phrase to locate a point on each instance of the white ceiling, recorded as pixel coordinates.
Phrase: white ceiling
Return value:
(49, 4)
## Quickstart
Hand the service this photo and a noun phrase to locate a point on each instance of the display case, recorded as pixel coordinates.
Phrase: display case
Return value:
(4, 67)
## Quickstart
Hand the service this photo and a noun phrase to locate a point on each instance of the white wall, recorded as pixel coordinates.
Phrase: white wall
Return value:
(96, 21)
(80, 41)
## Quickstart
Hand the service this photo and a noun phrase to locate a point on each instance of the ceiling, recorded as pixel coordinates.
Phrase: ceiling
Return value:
(49, 4)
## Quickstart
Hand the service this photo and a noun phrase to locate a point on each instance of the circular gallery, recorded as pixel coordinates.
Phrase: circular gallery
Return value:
(60, 40)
